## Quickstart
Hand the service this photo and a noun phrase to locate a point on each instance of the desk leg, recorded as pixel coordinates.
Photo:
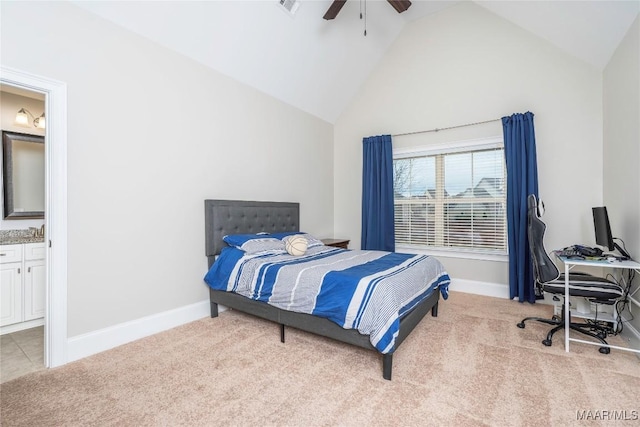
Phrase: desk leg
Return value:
(567, 319)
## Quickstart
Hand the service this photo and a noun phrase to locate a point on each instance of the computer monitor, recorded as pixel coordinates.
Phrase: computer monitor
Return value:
(602, 228)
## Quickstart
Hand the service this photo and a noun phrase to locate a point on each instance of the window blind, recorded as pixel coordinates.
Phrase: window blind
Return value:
(452, 199)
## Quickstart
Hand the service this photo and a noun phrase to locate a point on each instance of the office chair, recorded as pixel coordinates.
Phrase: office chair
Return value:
(548, 279)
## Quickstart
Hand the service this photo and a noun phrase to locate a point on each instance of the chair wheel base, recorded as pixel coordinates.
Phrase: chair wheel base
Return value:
(520, 325)
(547, 343)
(604, 350)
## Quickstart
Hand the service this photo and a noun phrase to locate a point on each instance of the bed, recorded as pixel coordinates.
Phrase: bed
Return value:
(234, 217)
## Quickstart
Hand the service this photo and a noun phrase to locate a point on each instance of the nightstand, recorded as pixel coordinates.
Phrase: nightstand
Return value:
(336, 243)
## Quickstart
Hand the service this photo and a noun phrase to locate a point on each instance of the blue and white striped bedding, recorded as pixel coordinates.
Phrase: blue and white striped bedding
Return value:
(365, 290)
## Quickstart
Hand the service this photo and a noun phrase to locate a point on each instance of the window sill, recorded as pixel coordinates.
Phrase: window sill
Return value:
(453, 253)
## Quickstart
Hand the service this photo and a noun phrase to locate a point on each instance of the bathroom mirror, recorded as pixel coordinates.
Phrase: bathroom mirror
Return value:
(23, 175)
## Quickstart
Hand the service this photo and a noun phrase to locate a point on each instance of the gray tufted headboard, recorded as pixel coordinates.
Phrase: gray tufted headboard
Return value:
(222, 217)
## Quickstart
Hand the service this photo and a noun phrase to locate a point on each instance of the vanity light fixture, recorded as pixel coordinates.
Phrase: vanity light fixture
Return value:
(22, 119)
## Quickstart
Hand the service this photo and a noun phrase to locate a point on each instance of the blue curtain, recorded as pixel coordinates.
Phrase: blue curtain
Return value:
(522, 180)
(378, 232)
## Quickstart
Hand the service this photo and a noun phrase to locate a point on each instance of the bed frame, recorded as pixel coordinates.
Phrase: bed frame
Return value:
(224, 217)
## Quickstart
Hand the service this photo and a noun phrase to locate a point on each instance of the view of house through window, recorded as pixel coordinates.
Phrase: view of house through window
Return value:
(451, 200)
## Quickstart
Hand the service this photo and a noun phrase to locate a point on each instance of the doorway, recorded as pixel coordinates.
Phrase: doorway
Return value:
(55, 239)
(22, 262)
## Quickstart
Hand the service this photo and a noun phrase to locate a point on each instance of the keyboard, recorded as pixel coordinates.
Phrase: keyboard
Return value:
(582, 252)
(569, 253)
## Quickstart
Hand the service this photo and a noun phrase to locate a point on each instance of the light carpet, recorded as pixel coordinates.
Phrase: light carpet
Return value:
(470, 366)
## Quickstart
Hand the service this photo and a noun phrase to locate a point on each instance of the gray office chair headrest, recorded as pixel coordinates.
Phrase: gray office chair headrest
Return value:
(536, 204)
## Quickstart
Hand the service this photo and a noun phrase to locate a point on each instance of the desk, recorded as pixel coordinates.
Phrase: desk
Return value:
(569, 264)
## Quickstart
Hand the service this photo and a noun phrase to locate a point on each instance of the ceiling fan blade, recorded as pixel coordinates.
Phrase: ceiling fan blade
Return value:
(333, 10)
(400, 5)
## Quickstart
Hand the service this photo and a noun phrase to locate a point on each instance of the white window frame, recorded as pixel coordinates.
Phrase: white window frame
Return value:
(448, 148)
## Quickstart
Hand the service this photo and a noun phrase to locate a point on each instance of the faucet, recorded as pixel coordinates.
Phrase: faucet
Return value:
(37, 232)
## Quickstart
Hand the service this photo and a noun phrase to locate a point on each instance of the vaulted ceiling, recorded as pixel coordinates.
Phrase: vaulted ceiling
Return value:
(318, 65)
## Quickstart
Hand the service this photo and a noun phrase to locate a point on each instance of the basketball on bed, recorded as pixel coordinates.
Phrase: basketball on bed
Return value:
(296, 245)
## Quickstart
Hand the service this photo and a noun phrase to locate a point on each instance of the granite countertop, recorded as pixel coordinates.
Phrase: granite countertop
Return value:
(15, 237)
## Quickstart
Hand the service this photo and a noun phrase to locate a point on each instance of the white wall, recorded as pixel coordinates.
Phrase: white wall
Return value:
(152, 134)
(622, 145)
(10, 103)
(464, 65)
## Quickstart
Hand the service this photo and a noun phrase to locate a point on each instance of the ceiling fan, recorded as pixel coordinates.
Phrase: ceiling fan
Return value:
(399, 5)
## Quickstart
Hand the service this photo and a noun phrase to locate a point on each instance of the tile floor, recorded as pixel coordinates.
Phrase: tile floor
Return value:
(21, 352)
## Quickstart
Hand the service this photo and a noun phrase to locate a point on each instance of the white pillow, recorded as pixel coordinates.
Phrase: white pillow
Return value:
(265, 245)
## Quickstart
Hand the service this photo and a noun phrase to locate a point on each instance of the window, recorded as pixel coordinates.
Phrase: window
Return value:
(452, 198)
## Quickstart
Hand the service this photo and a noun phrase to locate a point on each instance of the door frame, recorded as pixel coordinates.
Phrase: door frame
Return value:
(55, 328)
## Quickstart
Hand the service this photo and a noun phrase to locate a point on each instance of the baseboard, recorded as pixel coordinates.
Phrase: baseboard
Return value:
(85, 345)
(21, 326)
(91, 343)
(480, 288)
